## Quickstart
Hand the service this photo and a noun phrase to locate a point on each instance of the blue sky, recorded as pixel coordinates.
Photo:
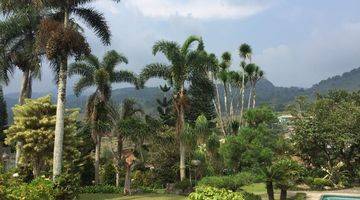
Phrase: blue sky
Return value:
(296, 42)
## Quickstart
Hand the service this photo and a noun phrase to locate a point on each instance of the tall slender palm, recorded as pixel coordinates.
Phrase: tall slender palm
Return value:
(258, 75)
(238, 80)
(18, 46)
(101, 75)
(245, 53)
(223, 75)
(181, 60)
(59, 38)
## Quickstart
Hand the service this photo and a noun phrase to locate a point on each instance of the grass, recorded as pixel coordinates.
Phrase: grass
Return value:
(133, 197)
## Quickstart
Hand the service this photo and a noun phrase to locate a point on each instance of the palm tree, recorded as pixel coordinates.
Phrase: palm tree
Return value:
(259, 74)
(238, 80)
(18, 47)
(116, 115)
(223, 75)
(255, 74)
(101, 75)
(181, 61)
(59, 38)
(245, 53)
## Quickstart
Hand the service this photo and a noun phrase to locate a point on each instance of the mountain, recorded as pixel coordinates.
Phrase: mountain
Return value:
(267, 93)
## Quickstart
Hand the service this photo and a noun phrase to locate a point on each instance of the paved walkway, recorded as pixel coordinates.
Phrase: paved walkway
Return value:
(315, 195)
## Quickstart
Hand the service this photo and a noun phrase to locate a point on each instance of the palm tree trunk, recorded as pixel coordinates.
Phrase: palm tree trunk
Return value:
(218, 105)
(127, 184)
(24, 93)
(231, 103)
(242, 97)
(283, 193)
(270, 190)
(225, 99)
(60, 109)
(179, 130)
(250, 95)
(254, 98)
(118, 159)
(97, 159)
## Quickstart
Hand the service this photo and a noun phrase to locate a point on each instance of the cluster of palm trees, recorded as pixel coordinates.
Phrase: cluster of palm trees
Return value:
(33, 30)
(247, 77)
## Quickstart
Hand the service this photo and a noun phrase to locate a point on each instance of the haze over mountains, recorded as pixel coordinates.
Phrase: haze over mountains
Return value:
(267, 93)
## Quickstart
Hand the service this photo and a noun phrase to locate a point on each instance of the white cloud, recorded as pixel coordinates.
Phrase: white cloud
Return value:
(199, 9)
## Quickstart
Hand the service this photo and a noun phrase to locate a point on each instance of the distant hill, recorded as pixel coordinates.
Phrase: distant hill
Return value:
(267, 93)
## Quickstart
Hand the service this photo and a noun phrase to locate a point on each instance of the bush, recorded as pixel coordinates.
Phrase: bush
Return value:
(66, 187)
(109, 174)
(205, 193)
(320, 183)
(251, 196)
(183, 185)
(106, 189)
(228, 182)
(39, 188)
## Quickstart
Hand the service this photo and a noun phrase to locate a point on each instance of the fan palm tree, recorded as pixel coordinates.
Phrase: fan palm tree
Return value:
(101, 75)
(181, 61)
(245, 53)
(18, 49)
(59, 38)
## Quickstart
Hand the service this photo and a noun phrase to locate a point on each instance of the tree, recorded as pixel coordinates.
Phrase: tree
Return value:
(34, 124)
(223, 75)
(101, 75)
(18, 46)
(165, 107)
(3, 120)
(59, 38)
(245, 53)
(255, 74)
(326, 135)
(236, 80)
(117, 115)
(181, 61)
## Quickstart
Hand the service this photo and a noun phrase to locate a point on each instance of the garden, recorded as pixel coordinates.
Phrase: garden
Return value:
(207, 139)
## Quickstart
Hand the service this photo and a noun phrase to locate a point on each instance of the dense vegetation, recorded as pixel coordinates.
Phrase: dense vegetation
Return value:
(208, 135)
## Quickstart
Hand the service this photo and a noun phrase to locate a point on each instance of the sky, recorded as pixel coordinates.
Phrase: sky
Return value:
(296, 42)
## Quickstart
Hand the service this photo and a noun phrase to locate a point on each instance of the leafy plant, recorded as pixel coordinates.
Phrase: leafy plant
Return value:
(206, 193)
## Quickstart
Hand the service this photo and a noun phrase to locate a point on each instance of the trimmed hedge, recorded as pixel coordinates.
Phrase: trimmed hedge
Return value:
(206, 193)
(233, 182)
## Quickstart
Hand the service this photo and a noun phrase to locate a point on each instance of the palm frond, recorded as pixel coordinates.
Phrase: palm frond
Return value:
(169, 48)
(96, 21)
(124, 76)
(189, 41)
(82, 69)
(112, 58)
(245, 51)
(82, 84)
(156, 70)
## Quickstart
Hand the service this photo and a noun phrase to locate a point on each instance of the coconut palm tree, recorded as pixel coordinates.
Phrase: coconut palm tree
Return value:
(101, 75)
(223, 75)
(17, 44)
(181, 60)
(59, 38)
(245, 53)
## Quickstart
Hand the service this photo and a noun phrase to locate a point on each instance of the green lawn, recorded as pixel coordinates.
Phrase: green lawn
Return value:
(134, 197)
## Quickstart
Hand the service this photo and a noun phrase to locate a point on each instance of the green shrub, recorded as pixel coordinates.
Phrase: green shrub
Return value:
(250, 196)
(106, 189)
(320, 183)
(183, 185)
(39, 188)
(66, 187)
(228, 182)
(206, 193)
(109, 174)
